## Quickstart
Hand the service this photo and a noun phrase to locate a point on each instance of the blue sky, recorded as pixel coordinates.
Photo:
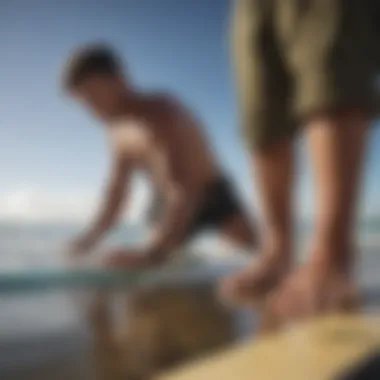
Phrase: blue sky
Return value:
(53, 156)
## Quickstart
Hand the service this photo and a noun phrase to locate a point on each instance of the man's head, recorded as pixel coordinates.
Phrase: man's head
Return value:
(94, 76)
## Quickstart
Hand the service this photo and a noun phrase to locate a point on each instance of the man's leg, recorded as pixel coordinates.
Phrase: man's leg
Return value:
(324, 284)
(334, 95)
(274, 173)
(336, 142)
(264, 90)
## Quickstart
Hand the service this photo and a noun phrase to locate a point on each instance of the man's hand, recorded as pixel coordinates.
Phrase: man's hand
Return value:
(311, 290)
(131, 258)
(111, 208)
(82, 244)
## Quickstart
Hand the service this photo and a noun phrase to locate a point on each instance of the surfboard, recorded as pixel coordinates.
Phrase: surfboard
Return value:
(317, 350)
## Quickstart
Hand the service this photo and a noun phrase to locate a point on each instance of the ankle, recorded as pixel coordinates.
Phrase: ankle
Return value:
(277, 250)
(339, 259)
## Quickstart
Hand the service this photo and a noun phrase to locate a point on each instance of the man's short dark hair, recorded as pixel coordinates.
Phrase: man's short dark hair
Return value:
(89, 60)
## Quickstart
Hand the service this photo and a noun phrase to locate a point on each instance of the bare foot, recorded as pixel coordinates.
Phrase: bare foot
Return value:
(251, 285)
(312, 290)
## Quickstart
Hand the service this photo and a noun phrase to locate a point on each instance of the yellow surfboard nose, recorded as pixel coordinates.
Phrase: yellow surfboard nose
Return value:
(317, 350)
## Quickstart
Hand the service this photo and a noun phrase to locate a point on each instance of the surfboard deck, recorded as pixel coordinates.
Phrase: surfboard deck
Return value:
(317, 350)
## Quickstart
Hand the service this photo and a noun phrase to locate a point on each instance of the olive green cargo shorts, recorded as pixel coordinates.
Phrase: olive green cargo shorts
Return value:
(293, 58)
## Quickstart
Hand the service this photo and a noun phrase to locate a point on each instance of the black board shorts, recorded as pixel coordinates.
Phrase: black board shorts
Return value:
(218, 203)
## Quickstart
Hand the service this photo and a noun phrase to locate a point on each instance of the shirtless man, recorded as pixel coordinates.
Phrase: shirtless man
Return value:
(155, 133)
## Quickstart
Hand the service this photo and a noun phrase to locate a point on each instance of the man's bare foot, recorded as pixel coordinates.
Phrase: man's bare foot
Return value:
(251, 285)
(311, 290)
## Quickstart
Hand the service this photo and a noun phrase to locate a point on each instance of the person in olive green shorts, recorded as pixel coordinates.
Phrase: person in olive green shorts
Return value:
(308, 64)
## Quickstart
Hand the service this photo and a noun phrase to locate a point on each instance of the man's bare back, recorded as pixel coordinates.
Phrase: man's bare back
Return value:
(157, 134)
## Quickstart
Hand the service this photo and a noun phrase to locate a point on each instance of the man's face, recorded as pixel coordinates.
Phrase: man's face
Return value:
(102, 94)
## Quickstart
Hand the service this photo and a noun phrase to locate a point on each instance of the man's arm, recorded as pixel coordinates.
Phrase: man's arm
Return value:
(114, 196)
(179, 203)
(180, 198)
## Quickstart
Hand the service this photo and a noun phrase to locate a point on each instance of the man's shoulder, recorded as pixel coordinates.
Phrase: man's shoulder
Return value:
(165, 102)
(130, 137)
(162, 97)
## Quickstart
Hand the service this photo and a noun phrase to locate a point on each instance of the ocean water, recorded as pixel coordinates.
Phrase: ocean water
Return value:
(48, 324)
(27, 249)
(27, 246)
(29, 318)
(43, 245)
(33, 254)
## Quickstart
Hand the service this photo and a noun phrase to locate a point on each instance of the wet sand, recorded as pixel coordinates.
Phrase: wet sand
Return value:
(44, 336)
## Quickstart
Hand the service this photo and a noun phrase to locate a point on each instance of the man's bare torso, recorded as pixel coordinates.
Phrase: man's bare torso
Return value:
(175, 131)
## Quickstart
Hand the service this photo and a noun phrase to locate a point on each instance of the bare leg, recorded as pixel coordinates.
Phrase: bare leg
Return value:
(240, 231)
(274, 170)
(336, 144)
